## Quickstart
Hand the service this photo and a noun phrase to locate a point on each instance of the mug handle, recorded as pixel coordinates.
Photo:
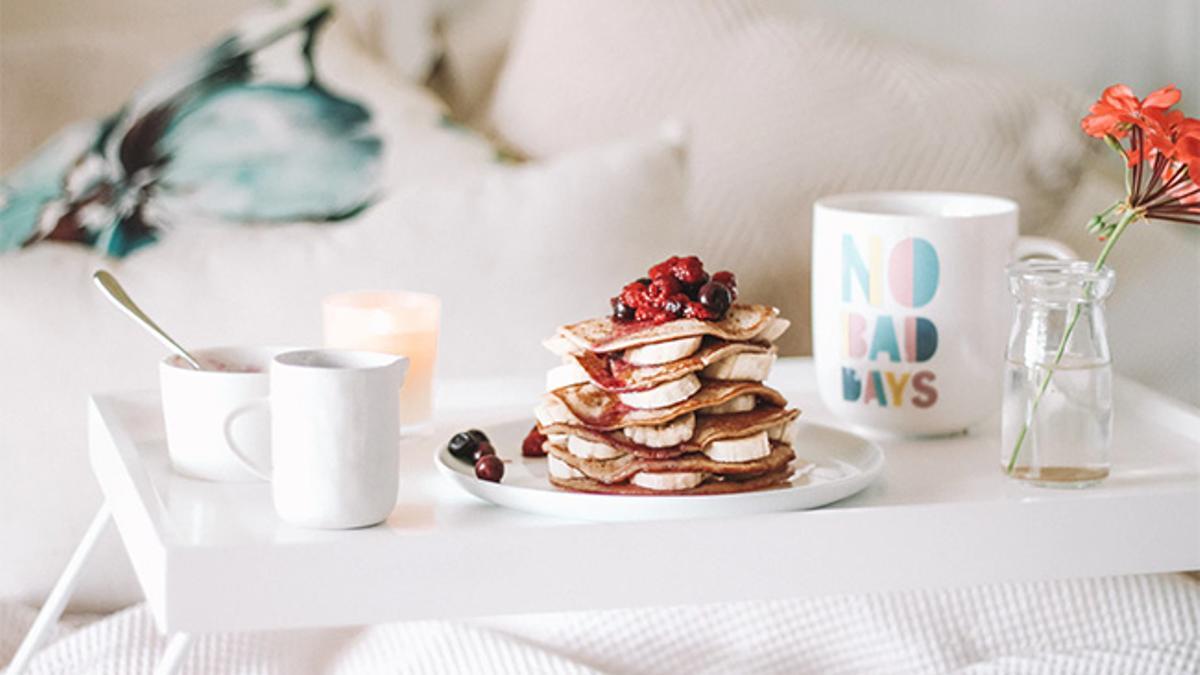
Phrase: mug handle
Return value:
(1042, 247)
(237, 452)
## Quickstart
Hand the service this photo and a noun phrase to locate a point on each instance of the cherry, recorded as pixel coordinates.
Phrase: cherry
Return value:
(726, 277)
(482, 450)
(716, 298)
(532, 445)
(465, 444)
(489, 467)
(693, 289)
(622, 311)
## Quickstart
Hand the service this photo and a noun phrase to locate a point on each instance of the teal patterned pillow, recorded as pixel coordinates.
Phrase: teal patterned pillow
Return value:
(212, 138)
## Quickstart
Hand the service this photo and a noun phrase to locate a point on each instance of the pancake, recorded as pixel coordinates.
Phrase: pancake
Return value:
(603, 335)
(772, 479)
(621, 469)
(709, 428)
(590, 406)
(610, 372)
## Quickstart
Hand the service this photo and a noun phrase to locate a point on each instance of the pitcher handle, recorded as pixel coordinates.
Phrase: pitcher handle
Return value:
(239, 454)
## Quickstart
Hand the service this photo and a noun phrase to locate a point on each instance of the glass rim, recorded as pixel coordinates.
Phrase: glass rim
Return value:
(1061, 271)
(375, 299)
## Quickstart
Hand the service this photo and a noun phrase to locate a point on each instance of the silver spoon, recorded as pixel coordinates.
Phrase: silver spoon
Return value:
(111, 288)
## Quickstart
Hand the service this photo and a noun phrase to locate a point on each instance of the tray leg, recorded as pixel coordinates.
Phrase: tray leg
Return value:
(173, 655)
(60, 594)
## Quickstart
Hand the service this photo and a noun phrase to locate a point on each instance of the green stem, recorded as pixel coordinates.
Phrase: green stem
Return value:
(1128, 218)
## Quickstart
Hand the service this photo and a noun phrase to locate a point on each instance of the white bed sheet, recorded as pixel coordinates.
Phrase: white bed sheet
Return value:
(1128, 625)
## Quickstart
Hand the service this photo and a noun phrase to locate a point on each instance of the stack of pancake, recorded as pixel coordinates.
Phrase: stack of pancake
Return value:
(670, 408)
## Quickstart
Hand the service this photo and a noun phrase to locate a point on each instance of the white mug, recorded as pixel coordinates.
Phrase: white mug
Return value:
(195, 404)
(909, 306)
(335, 436)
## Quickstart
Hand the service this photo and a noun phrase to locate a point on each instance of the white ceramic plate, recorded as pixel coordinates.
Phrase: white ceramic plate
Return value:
(844, 464)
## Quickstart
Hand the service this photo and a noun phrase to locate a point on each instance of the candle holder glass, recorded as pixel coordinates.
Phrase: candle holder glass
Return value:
(394, 322)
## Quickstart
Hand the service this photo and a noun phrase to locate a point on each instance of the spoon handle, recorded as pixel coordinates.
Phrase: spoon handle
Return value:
(111, 288)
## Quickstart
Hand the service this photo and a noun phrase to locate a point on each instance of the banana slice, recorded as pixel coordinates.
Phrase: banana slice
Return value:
(560, 469)
(740, 449)
(750, 367)
(674, 432)
(774, 328)
(551, 411)
(560, 345)
(581, 447)
(743, 403)
(785, 432)
(565, 375)
(662, 352)
(665, 394)
(667, 481)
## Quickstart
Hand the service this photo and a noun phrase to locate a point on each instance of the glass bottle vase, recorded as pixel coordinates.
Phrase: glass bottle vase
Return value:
(1057, 416)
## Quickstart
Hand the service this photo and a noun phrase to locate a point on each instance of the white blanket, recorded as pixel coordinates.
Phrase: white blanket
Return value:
(1127, 625)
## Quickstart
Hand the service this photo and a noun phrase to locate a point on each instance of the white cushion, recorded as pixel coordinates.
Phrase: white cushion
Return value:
(512, 253)
(782, 108)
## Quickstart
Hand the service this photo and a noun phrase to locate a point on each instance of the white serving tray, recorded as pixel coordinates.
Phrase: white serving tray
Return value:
(214, 557)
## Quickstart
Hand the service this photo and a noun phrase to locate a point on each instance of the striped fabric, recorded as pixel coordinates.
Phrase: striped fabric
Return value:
(782, 107)
(1129, 625)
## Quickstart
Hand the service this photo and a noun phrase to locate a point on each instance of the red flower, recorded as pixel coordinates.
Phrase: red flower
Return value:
(1118, 110)
(1187, 147)
(1162, 150)
(1161, 126)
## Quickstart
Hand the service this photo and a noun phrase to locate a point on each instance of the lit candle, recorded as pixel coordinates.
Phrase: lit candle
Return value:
(395, 322)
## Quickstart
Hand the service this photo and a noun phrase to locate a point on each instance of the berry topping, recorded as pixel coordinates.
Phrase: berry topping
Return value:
(729, 280)
(622, 311)
(489, 467)
(716, 298)
(465, 444)
(663, 289)
(653, 314)
(532, 445)
(676, 289)
(695, 310)
(688, 271)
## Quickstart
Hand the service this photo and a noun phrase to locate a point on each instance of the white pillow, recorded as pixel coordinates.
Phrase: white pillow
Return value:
(512, 251)
(781, 108)
(473, 36)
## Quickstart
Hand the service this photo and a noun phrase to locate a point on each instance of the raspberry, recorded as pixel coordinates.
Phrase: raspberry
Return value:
(661, 289)
(653, 314)
(695, 310)
(634, 295)
(688, 270)
(663, 269)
